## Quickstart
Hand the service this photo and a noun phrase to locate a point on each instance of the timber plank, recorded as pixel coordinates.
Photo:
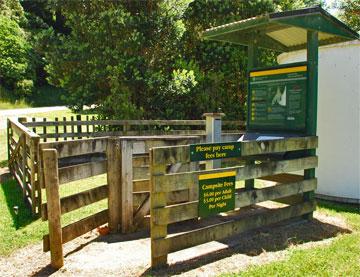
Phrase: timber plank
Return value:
(113, 153)
(172, 197)
(141, 185)
(181, 154)
(81, 171)
(189, 210)
(283, 178)
(77, 147)
(126, 182)
(125, 122)
(79, 228)
(181, 181)
(173, 243)
(78, 200)
(142, 172)
(249, 148)
(55, 237)
(141, 160)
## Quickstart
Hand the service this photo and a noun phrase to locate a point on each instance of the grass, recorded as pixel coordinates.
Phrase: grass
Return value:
(50, 116)
(19, 231)
(45, 96)
(21, 104)
(340, 258)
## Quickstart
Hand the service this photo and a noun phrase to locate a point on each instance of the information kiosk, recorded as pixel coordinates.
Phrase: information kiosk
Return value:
(282, 100)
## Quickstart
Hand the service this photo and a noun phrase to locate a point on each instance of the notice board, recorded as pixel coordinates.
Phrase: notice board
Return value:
(277, 98)
(216, 193)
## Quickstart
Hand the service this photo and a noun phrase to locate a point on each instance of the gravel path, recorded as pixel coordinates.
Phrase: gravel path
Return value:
(4, 114)
(129, 255)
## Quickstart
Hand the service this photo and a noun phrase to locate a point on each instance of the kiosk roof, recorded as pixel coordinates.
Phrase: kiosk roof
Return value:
(284, 31)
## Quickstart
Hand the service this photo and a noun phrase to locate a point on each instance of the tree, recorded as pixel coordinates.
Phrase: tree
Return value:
(350, 13)
(119, 54)
(221, 68)
(12, 9)
(146, 59)
(15, 62)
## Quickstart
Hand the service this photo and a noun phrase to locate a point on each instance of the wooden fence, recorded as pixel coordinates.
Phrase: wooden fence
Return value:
(85, 127)
(26, 135)
(23, 156)
(125, 160)
(163, 182)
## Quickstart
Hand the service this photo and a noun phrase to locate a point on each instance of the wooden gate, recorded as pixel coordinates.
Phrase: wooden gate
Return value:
(124, 160)
(163, 182)
(23, 151)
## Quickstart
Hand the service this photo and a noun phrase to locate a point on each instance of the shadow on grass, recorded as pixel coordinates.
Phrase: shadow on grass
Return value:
(339, 207)
(3, 163)
(277, 237)
(14, 197)
(274, 238)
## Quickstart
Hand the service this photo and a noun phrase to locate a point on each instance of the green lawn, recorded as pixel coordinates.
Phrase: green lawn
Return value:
(5, 105)
(340, 258)
(31, 230)
(49, 116)
(45, 96)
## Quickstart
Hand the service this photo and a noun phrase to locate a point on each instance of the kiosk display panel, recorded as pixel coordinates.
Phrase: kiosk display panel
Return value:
(277, 98)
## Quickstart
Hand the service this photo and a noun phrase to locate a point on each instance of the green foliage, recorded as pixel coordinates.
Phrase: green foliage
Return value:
(15, 61)
(351, 13)
(119, 54)
(12, 9)
(144, 59)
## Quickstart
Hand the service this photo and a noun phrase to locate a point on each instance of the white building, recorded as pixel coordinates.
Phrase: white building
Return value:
(338, 119)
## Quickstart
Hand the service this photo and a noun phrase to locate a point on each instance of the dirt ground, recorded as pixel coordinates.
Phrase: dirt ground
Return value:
(129, 255)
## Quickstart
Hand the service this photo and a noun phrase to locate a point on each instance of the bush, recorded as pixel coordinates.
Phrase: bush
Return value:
(15, 65)
(24, 87)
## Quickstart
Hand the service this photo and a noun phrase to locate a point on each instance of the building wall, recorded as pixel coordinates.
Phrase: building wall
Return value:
(338, 119)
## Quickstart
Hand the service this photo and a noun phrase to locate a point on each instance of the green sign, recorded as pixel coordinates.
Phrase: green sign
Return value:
(212, 151)
(216, 193)
(277, 99)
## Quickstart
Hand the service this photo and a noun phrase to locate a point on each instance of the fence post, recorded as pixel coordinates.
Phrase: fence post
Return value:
(119, 176)
(22, 142)
(114, 182)
(9, 137)
(126, 129)
(51, 179)
(157, 200)
(79, 127)
(126, 186)
(213, 134)
(35, 175)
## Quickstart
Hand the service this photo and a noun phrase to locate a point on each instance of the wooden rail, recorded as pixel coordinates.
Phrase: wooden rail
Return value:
(164, 183)
(128, 197)
(23, 155)
(85, 127)
(87, 136)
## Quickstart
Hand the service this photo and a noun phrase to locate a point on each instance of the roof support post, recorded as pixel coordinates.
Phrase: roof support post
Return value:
(312, 95)
(253, 54)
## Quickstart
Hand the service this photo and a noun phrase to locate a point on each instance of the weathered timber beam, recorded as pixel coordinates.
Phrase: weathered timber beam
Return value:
(79, 228)
(181, 154)
(81, 171)
(189, 210)
(76, 147)
(126, 122)
(181, 181)
(78, 200)
(173, 243)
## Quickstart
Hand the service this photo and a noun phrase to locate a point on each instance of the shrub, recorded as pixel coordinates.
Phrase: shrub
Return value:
(15, 64)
